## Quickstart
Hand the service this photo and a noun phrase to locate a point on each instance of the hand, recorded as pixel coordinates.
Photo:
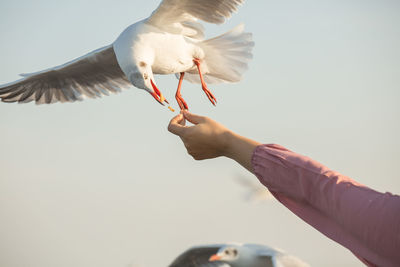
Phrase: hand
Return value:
(206, 139)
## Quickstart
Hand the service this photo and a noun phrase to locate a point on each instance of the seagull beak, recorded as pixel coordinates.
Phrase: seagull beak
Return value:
(157, 94)
(214, 257)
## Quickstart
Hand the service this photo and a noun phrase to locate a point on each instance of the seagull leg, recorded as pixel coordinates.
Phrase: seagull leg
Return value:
(210, 96)
(181, 102)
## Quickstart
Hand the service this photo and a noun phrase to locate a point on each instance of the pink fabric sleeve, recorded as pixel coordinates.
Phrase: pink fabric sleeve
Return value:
(363, 220)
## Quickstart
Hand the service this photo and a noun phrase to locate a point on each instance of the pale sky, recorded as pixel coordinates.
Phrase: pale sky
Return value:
(102, 183)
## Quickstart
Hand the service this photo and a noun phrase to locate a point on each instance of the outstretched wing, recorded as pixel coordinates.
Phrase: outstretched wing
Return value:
(92, 75)
(180, 16)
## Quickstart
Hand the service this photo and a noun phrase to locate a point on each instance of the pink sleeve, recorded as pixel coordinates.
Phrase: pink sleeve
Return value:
(363, 220)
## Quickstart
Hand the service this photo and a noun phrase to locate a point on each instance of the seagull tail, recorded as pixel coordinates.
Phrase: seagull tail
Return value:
(226, 56)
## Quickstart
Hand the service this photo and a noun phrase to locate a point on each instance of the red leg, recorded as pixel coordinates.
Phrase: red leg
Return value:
(210, 96)
(181, 102)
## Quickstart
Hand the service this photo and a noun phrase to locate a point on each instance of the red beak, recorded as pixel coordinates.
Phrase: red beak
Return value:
(157, 94)
(214, 257)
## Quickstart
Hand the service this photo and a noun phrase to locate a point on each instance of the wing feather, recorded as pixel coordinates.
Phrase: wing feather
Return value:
(180, 16)
(92, 75)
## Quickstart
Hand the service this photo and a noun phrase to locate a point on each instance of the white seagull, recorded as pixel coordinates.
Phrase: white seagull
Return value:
(170, 41)
(236, 255)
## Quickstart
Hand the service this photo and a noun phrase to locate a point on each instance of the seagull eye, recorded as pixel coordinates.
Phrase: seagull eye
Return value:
(227, 252)
(142, 64)
(234, 252)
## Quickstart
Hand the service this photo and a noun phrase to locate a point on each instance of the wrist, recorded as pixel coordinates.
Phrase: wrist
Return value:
(240, 149)
(229, 139)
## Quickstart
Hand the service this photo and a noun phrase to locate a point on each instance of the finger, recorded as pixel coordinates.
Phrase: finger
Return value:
(177, 125)
(193, 118)
(183, 122)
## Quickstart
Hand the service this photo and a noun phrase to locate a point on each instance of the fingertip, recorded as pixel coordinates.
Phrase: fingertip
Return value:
(178, 117)
(193, 118)
(186, 113)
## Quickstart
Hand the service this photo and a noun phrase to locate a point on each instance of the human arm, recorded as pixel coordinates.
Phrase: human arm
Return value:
(363, 220)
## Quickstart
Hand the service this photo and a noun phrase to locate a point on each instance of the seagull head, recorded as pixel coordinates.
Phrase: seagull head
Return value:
(237, 255)
(142, 77)
(226, 254)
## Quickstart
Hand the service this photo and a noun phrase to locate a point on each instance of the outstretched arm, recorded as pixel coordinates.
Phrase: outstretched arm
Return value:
(363, 220)
(208, 139)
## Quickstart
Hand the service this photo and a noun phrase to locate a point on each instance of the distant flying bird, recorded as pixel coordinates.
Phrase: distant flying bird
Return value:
(170, 41)
(236, 255)
(256, 192)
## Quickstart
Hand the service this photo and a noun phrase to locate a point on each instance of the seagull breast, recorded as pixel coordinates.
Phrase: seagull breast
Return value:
(166, 52)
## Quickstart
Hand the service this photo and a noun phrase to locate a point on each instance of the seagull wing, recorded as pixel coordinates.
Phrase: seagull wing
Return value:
(276, 257)
(92, 75)
(180, 16)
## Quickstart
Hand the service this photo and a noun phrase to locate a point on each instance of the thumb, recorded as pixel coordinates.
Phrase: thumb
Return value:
(193, 118)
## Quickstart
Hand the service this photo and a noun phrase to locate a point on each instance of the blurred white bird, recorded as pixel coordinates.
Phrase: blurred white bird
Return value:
(170, 41)
(256, 192)
(236, 255)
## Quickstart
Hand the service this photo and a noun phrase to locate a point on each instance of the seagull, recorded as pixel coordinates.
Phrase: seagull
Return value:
(170, 41)
(236, 255)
